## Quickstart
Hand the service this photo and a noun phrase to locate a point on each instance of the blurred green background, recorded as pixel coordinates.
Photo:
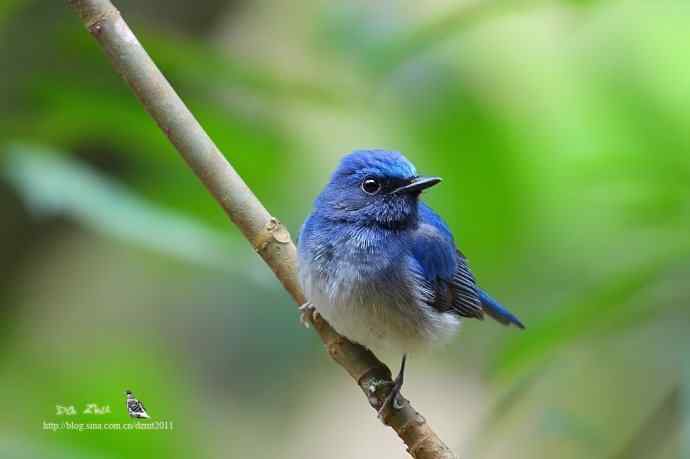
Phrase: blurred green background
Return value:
(562, 129)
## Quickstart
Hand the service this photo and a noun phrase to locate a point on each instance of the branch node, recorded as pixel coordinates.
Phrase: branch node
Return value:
(95, 17)
(273, 231)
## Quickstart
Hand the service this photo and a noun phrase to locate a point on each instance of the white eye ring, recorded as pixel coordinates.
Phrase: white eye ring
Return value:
(371, 186)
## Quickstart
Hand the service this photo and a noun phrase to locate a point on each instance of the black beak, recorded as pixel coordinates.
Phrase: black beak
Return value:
(418, 184)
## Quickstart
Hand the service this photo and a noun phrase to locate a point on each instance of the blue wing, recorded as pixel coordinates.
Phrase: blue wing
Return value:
(444, 268)
(447, 275)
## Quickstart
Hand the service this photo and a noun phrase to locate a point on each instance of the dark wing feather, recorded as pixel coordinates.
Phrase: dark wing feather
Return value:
(466, 300)
(135, 406)
(456, 292)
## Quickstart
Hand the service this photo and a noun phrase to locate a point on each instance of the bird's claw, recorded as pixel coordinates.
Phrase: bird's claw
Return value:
(393, 398)
(307, 313)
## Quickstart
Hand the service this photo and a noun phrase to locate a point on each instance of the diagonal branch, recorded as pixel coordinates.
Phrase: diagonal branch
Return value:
(268, 236)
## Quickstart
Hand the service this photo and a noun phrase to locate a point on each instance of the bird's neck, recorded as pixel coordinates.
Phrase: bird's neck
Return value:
(385, 218)
(385, 226)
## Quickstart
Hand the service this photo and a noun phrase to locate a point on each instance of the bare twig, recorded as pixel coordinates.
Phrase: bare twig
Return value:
(268, 236)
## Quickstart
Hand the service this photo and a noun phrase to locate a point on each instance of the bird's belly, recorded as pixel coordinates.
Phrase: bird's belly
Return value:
(385, 315)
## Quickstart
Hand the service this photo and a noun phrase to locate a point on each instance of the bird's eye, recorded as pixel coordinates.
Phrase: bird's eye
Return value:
(371, 186)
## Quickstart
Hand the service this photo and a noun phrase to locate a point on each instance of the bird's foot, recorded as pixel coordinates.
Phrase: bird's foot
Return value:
(392, 400)
(307, 313)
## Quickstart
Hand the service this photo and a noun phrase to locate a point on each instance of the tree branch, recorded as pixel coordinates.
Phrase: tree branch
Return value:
(268, 236)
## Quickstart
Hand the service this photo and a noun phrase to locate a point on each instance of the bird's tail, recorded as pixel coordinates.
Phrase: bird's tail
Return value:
(498, 312)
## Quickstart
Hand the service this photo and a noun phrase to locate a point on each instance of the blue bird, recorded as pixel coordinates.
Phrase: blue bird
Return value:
(381, 266)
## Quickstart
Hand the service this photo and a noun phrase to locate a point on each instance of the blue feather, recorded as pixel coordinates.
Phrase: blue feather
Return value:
(498, 312)
(433, 247)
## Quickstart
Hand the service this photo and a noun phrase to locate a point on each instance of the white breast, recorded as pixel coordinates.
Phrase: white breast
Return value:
(374, 315)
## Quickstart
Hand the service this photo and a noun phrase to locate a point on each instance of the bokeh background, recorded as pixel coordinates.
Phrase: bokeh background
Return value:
(562, 129)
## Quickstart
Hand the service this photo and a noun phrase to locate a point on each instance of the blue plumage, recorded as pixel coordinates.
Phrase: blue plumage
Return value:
(498, 312)
(382, 267)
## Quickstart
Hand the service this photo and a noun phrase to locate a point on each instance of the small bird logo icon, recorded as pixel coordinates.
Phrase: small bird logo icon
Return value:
(135, 408)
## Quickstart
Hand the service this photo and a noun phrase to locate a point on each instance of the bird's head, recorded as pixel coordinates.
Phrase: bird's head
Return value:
(374, 188)
(128, 392)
